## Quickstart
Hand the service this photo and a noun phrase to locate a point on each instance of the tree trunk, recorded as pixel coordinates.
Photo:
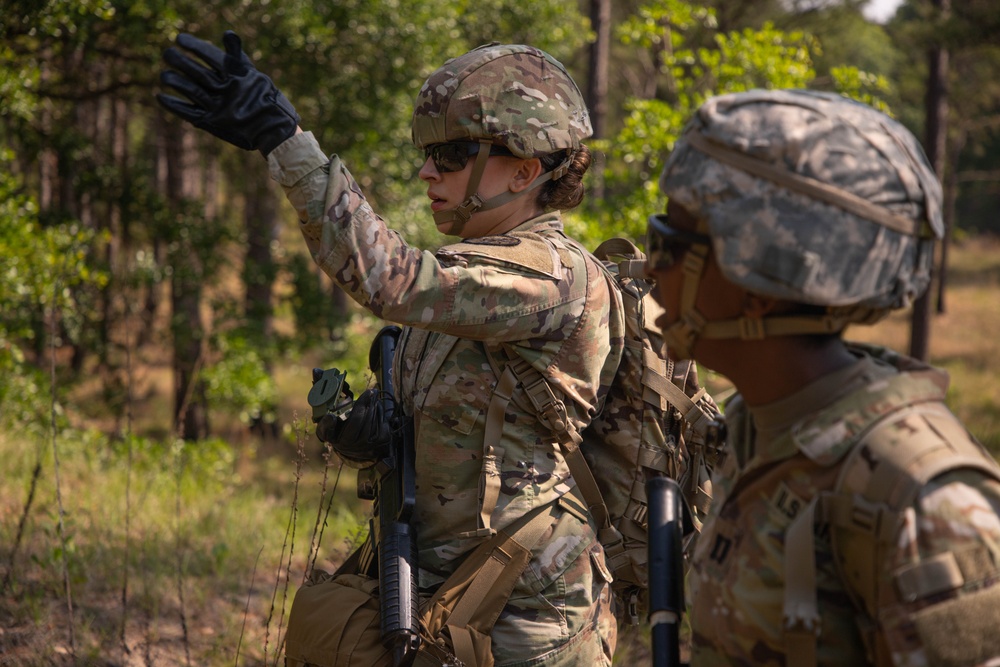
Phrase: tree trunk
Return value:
(597, 88)
(190, 409)
(950, 195)
(936, 130)
(259, 271)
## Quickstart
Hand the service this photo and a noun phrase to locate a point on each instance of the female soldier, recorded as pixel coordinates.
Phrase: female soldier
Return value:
(501, 127)
(855, 520)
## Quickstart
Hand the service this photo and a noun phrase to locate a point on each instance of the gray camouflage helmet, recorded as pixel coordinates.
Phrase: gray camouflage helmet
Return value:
(513, 95)
(809, 197)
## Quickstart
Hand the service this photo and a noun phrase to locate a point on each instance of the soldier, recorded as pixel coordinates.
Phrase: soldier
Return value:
(855, 521)
(502, 129)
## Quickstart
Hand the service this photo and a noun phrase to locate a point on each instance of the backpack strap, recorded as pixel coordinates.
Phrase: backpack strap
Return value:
(469, 602)
(633, 264)
(551, 412)
(879, 480)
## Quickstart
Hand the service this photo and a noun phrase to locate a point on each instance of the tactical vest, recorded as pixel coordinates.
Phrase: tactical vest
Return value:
(881, 479)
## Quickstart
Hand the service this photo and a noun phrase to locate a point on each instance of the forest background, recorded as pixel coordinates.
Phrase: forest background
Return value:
(161, 492)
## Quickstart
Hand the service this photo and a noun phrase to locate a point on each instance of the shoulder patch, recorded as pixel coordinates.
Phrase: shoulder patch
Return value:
(495, 241)
(526, 250)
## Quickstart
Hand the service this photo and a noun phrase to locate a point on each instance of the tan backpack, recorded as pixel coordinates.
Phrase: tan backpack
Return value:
(656, 420)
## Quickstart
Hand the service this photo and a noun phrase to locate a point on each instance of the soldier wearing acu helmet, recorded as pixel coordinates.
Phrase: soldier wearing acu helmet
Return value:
(502, 129)
(855, 519)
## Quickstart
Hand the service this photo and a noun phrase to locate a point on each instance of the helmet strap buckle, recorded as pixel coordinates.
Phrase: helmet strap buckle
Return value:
(465, 210)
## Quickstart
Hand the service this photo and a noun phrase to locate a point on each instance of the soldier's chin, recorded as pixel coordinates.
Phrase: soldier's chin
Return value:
(448, 228)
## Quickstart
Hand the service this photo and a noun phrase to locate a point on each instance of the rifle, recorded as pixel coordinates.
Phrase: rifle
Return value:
(389, 482)
(666, 570)
(394, 484)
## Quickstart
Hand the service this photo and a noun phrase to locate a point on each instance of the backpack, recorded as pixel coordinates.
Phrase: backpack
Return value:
(655, 420)
(880, 478)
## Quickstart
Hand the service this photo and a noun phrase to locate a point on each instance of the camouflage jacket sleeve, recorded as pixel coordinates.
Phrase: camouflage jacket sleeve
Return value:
(947, 567)
(456, 291)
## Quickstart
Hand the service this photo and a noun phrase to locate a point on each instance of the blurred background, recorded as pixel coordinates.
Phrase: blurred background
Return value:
(161, 491)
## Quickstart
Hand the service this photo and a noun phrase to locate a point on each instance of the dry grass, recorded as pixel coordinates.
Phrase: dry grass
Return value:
(197, 564)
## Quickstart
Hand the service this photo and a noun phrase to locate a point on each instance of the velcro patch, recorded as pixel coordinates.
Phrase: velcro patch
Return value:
(962, 630)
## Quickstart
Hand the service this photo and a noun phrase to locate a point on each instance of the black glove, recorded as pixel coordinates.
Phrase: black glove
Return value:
(361, 437)
(230, 98)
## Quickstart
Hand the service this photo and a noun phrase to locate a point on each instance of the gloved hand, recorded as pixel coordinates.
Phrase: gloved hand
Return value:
(230, 98)
(361, 437)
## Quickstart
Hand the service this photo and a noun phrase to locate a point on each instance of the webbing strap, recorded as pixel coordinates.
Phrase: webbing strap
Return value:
(756, 328)
(810, 187)
(855, 513)
(584, 476)
(489, 481)
(674, 394)
(494, 568)
(656, 385)
(801, 611)
(549, 409)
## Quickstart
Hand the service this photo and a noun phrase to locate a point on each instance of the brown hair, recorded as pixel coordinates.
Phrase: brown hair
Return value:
(568, 191)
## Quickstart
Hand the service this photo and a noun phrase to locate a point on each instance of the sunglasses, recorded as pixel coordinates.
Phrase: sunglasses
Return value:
(665, 245)
(454, 155)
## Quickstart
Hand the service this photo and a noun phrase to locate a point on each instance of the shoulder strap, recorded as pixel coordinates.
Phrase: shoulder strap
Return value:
(881, 477)
(633, 264)
(551, 412)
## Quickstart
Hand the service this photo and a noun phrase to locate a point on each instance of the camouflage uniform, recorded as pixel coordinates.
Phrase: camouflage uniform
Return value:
(778, 464)
(830, 209)
(531, 287)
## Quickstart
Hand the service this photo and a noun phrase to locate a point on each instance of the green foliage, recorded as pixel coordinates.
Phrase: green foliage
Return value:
(862, 86)
(689, 74)
(695, 61)
(313, 310)
(239, 382)
(41, 268)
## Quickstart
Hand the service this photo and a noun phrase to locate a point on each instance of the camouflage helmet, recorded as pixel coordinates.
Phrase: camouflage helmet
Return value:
(810, 197)
(513, 95)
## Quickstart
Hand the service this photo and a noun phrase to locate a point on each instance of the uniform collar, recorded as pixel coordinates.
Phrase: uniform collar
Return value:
(827, 417)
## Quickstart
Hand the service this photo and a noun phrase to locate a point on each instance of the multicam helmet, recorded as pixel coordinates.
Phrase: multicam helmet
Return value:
(511, 95)
(809, 197)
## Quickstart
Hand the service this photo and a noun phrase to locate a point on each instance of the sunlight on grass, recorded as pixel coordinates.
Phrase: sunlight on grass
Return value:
(190, 517)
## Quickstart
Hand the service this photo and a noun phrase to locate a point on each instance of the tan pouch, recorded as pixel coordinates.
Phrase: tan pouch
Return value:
(334, 622)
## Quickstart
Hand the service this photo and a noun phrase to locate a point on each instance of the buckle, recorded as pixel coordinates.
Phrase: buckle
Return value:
(751, 328)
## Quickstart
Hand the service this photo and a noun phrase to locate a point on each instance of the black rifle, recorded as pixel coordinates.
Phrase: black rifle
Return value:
(666, 569)
(390, 483)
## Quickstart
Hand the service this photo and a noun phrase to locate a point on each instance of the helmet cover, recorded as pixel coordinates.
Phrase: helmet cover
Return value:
(778, 241)
(516, 96)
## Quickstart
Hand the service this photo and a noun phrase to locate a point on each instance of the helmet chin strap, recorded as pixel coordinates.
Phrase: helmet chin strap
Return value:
(681, 336)
(461, 214)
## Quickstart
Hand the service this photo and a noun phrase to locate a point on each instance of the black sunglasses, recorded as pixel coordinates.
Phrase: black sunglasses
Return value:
(665, 245)
(454, 155)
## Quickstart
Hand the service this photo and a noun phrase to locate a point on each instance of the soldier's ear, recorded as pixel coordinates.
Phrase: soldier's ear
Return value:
(525, 174)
